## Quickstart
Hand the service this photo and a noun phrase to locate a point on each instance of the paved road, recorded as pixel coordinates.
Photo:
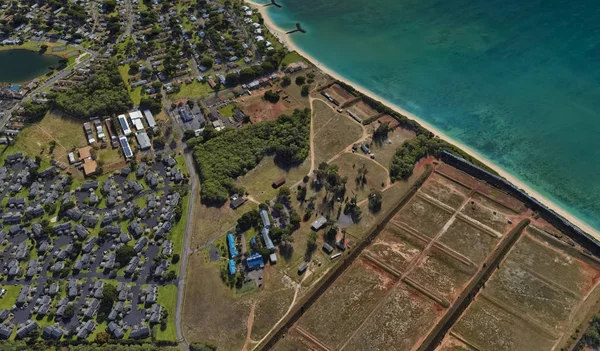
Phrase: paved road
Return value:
(186, 248)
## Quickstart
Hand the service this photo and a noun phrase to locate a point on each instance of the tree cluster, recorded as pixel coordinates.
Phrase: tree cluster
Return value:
(223, 156)
(104, 93)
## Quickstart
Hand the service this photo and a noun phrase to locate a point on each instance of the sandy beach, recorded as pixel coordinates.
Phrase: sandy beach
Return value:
(287, 42)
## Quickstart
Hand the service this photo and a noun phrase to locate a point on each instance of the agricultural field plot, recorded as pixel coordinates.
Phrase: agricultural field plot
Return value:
(469, 241)
(442, 275)
(350, 164)
(346, 304)
(487, 213)
(451, 343)
(529, 301)
(445, 190)
(395, 247)
(399, 324)
(424, 217)
(546, 258)
(533, 297)
(486, 326)
(333, 132)
(340, 94)
(362, 110)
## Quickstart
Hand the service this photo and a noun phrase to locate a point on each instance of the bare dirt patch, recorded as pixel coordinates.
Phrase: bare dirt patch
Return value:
(340, 94)
(261, 110)
(362, 110)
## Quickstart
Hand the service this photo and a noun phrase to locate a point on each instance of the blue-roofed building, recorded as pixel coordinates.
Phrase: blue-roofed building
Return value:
(255, 261)
(126, 148)
(233, 252)
(124, 125)
(232, 268)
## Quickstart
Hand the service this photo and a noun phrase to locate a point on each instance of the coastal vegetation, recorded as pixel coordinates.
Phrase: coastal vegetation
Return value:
(223, 156)
(104, 93)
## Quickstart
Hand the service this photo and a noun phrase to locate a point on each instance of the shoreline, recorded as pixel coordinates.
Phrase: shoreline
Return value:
(291, 46)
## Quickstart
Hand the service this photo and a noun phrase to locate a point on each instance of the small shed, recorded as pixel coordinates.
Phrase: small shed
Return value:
(279, 182)
(327, 248)
(302, 268)
(319, 223)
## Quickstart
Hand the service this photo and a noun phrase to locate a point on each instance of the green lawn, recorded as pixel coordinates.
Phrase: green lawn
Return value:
(10, 297)
(291, 58)
(195, 90)
(227, 111)
(136, 95)
(167, 298)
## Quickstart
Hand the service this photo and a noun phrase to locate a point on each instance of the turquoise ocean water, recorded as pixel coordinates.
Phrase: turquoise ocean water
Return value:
(516, 80)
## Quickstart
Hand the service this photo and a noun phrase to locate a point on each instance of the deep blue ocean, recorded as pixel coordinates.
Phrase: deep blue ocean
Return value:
(516, 80)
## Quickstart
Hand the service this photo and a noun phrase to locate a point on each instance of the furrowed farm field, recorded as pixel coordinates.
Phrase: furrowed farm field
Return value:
(530, 300)
(429, 258)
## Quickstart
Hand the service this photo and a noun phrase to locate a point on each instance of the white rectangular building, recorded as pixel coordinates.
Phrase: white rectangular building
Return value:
(136, 119)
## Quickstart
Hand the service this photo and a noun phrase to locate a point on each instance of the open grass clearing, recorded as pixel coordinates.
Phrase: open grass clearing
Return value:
(195, 90)
(213, 222)
(9, 298)
(391, 198)
(258, 181)
(210, 311)
(385, 150)
(291, 57)
(350, 164)
(332, 132)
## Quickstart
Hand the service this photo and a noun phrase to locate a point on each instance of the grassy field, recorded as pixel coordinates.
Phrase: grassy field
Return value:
(177, 234)
(167, 298)
(210, 312)
(12, 291)
(291, 57)
(377, 177)
(195, 90)
(258, 181)
(227, 111)
(333, 132)
(136, 95)
(66, 131)
(212, 222)
(384, 150)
